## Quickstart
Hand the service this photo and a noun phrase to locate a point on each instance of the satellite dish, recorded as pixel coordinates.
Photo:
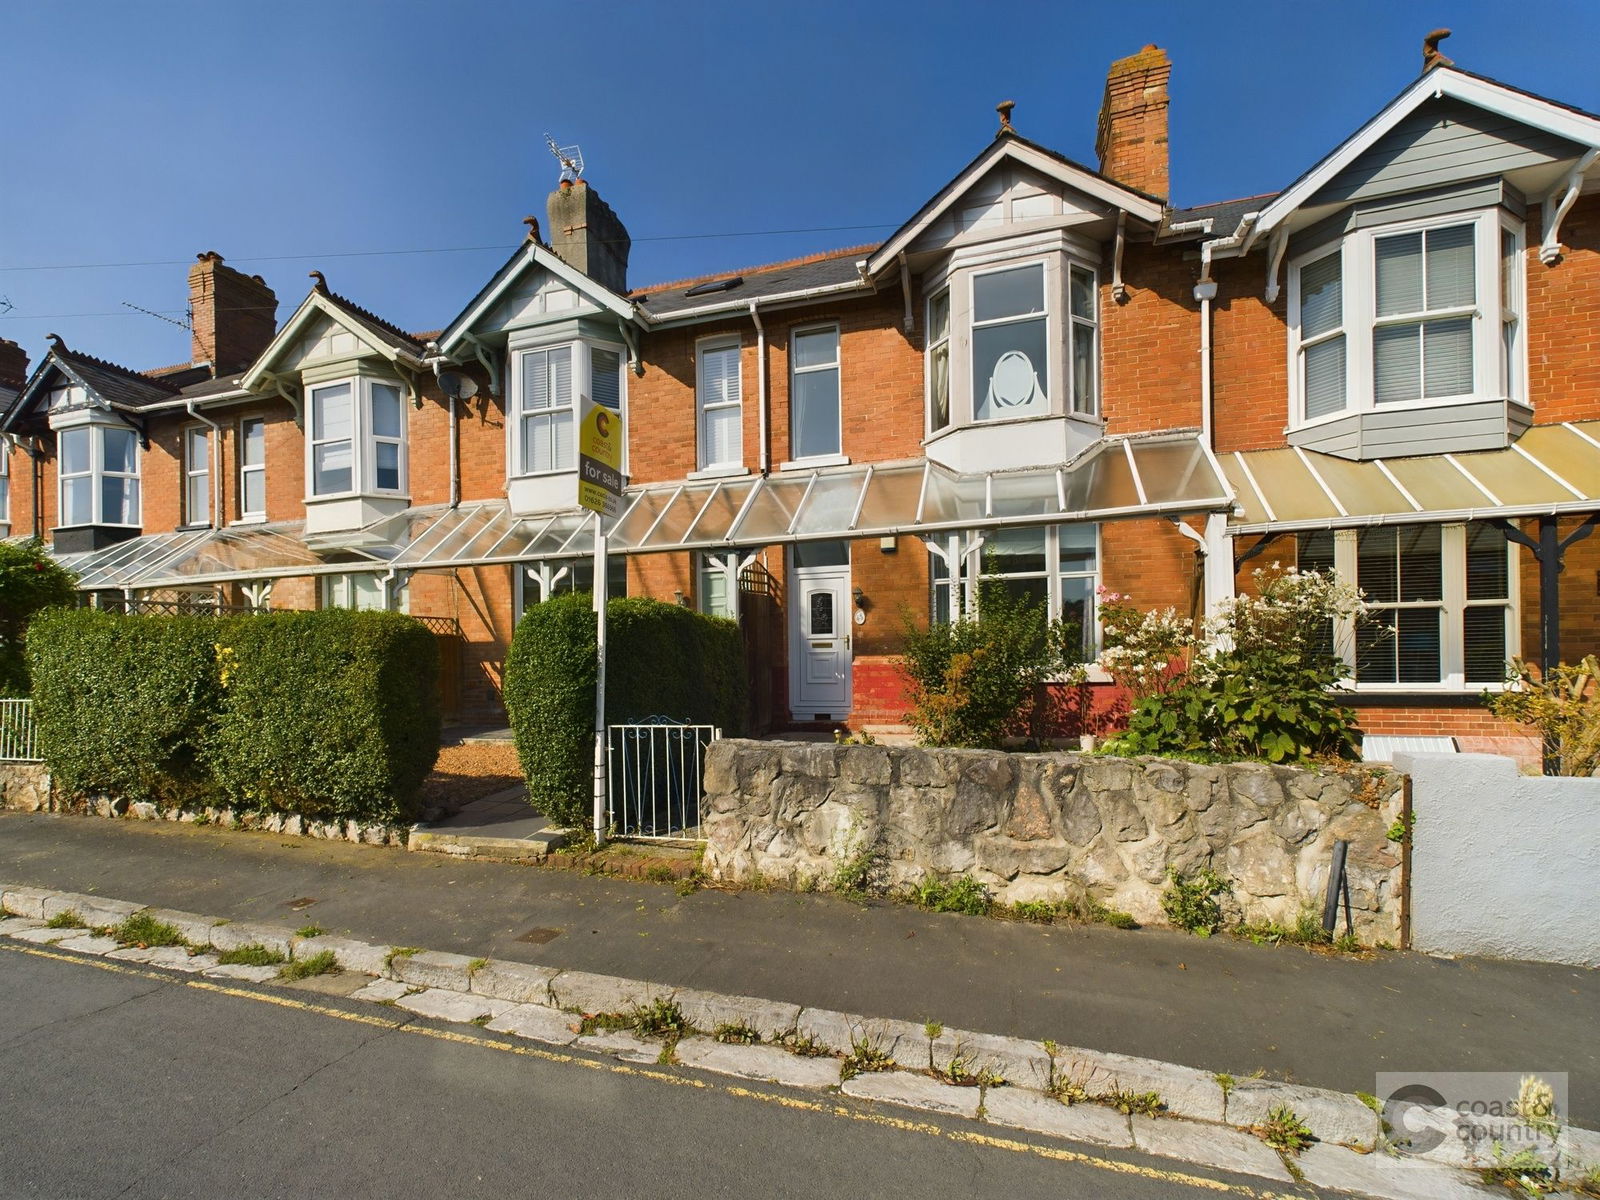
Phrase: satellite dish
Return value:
(457, 386)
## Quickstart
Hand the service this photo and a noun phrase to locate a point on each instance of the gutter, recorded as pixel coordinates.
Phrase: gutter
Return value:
(685, 316)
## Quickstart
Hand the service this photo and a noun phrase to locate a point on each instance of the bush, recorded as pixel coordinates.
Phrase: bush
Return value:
(1194, 902)
(662, 660)
(124, 705)
(973, 682)
(30, 581)
(333, 714)
(330, 715)
(1564, 706)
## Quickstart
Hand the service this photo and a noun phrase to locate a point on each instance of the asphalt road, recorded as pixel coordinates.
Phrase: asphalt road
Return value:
(138, 1084)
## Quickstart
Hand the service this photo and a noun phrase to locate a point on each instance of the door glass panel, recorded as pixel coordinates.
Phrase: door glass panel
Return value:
(821, 612)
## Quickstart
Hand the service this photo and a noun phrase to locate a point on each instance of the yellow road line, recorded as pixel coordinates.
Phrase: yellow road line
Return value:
(900, 1124)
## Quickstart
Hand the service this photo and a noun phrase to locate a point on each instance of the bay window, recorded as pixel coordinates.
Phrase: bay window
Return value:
(196, 475)
(1413, 315)
(939, 361)
(1010, 334)
(815, 429)
(719, 400)
(99, 475)
(358, 438)
(1055, 566)
(253, 468)
(1441, 603)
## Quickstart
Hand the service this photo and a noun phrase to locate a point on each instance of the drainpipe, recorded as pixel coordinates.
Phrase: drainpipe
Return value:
(761, 382)
(216, 464)
(1205, 291)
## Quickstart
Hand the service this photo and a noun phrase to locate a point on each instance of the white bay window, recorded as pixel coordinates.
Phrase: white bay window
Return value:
(548, 382)
(99, 475)
(358, 439)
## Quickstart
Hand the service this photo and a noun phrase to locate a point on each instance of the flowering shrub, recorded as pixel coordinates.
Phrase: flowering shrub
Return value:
(1565, 707)
(1143, 651)
(1266, 686)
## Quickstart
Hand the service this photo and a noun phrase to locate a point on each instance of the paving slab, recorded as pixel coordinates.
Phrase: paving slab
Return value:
(433, 969)
(537, 1023)
(445, 1005)
(1388, 1179)
(347, 952)
(1021, 1108)
(12, 926)
(89, 943)
(622, 1044)
(381, 991)
(242, 971)
(1209, 1145)
(902, 1041)
(772, 1019)
(173, 958)
(1331, 1116)
(520, 983)
(914, 1091)
(763, 1063)
(43, 935)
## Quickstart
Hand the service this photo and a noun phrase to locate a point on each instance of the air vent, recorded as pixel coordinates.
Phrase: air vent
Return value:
(719, 285)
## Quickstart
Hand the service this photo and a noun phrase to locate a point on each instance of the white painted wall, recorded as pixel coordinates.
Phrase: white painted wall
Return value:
(1503, 864)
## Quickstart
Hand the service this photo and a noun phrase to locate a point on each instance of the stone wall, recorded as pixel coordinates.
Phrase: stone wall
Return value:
(1055, 826)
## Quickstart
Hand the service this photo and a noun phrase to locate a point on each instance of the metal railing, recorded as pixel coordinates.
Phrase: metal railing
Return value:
(653, 778)
(19, 737)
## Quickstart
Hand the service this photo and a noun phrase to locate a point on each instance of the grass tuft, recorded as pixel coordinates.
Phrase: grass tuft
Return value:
(323, 962)
(1285, 1131)
(736, 1033)
(66, 920)
(253, 955)
(141, 929)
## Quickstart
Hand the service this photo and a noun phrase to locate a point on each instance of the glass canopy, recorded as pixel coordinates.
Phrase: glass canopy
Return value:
(1115, 478)
(1550, 469)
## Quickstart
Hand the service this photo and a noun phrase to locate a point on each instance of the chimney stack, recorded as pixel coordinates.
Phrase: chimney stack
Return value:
(588, 236)
(13, 366)
(233, 315)
(1132, 137)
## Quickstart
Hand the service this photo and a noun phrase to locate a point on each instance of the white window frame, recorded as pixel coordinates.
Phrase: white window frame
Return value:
(582, 350)
(6, 447)
(339, 591)
(1088, 327)
(706, 568)
(705, 405)
(246, 470)
(1358, 250)
(97, 473)
(190, 475)
(935, 346)
(1454, 602)
(364, 441)
(1052, 326)
(837, 367)
(972, 575)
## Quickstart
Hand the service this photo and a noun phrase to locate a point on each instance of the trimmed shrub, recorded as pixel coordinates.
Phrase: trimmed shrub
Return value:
(663, 660)
(331, 714)
(124, 705)
(30, 581)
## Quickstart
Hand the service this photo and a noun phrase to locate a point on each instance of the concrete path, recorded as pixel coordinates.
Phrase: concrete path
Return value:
(1218, 1004)
(496, 826)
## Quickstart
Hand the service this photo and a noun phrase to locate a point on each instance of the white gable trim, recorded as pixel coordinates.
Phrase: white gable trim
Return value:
(1436, 84)
(313, 306)
(534, 255)
(1048, 166)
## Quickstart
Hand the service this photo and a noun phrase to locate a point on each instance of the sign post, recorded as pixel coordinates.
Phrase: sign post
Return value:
(601, 436)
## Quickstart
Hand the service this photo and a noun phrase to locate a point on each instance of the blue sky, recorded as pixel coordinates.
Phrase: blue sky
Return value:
(293, 135)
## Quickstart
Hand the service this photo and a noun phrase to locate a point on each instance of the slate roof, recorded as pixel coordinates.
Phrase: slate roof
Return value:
(1224, 216)
(756, 283)
(114, 384)
(391, 335)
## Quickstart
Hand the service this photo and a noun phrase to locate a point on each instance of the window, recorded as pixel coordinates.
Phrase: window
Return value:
(1424, 314)
(363, 592)
(542, 580)
(939, 361)
(5, 484)
(99, 471)
(253, 467)
(1010, 333)
(1084, 306)
(712, 595)
(358, 438)
(1441, 610)
(719, 399)
(814, 393)
(549, 380)
(1055, 565)
(196, 475)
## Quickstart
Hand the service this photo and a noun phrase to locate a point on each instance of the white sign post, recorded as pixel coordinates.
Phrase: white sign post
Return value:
(601, 436)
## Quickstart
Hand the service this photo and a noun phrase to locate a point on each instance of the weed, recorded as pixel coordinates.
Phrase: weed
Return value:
(660, 1018)
(399, 952)
(253, 955)
(1283, 1130)
(1371, 1102)
(669, 1053)
(481, 1020)
(854, 876)
(688, 885)
(310, 931)
(660, 873)
(1193, 902)
(933, 1030)
(594, 1023)
(475, 966)
(1535, 1105)
(963, 1071)
(66, 920)
(1586, 1181)
(735, 1033)
(1524, 1171)
(1401, 829)
(141, 929)
(1039, 912)
(806, 1046)
(1092, 910)
(861, 738)
(321, 963)
(1226, 1083)
(1128, 1102)
(960, 895)
(866, 1055)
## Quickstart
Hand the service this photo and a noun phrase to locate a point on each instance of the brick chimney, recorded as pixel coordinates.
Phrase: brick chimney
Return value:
(1132, 137)
(234, 315)
(13, 366)
(587, 234)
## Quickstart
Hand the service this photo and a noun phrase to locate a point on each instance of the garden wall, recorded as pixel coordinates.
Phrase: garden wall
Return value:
(1055, 826)
(1503, 863)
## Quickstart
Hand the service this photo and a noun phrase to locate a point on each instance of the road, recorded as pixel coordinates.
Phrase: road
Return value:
(128, 1082)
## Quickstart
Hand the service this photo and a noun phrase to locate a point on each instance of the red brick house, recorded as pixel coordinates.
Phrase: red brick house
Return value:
(1048, 375)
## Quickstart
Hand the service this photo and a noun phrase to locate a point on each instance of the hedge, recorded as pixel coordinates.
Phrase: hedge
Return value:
(30, 580)
(330, 715)
(662, 660)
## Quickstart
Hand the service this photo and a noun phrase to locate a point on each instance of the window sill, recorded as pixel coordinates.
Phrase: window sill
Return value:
(1091, 419)
(545, 474)
(250, 519)
(718, 473)
(310, 500)
(818, 460)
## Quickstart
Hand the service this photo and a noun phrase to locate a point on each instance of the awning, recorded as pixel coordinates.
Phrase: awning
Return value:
(1549, 470)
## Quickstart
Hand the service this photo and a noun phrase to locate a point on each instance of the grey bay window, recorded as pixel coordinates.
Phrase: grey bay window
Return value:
(939, 361)
(1010, 338)
(99, 474)
(358, 438)
(1441, 603)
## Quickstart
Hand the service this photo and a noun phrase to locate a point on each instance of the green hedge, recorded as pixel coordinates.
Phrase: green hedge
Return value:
(30, 581)
(662, 660)
(331, 714)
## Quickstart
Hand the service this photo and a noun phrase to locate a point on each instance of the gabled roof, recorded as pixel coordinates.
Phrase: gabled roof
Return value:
(1489, 94)
(1014, 146)
(117, 387)
(832, 269)
(389, 341)
(531, 254)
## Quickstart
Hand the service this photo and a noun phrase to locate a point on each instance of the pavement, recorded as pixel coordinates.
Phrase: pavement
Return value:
(1215, 1004)
(501, 825)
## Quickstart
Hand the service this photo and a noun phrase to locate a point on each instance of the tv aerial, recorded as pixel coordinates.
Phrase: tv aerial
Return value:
(570, 158)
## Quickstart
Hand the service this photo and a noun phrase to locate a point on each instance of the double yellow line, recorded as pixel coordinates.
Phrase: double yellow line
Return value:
(901, 1124)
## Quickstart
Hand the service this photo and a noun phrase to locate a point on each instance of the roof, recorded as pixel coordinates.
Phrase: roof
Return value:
(828, 269)
(116, 385)
(391, 335)
(1224, 216)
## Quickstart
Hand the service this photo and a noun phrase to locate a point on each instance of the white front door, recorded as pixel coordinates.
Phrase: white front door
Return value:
(819, 633)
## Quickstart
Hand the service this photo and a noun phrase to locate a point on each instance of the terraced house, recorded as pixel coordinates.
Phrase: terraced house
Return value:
(1048, 376)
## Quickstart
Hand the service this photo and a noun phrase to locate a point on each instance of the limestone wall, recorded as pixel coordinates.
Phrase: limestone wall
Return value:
(1054, 826)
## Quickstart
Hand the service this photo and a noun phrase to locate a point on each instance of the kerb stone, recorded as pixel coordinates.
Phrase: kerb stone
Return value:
(764, 1063)
(236, 934)
(707, 1010)
(95, 911)
(520, 983)
(589, 993)
(1020, 1108)
(433, 969)
(914, 1091)
(347, 952)
(1331, 1116)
